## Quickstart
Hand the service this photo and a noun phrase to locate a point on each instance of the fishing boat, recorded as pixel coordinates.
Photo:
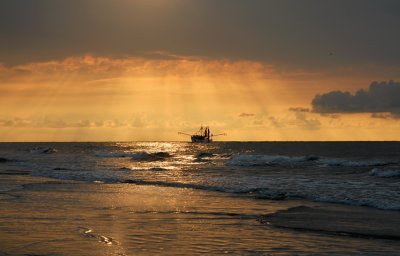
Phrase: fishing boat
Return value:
(203, 135)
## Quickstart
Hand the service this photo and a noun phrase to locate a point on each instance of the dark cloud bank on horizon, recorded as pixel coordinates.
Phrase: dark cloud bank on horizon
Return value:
(380, 97)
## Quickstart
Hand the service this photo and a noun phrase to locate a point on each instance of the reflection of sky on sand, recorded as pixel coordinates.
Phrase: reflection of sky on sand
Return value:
(126, 219)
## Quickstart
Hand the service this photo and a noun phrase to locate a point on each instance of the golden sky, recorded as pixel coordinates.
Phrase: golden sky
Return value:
(114, 84)
(91, 98)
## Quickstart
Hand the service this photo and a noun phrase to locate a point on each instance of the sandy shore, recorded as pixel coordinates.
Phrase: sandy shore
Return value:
(41, 216)
(339, 220)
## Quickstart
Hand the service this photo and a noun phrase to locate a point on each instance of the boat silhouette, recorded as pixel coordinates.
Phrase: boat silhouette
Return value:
(203, 135)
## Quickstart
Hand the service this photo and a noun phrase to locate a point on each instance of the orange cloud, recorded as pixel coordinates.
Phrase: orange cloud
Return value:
(90, 67)
(153, 97)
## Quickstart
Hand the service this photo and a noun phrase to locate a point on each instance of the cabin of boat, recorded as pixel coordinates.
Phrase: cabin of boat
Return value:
(203, 135)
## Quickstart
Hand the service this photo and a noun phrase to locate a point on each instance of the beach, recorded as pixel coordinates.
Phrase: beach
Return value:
(42, 216)
(199, 127)
(49, 210)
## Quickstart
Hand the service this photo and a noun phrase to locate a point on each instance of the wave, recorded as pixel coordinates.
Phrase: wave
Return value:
(336, 199)
(42, 150)
(145, 156)
(138, 156)
(113, 154)
(279, 194)
(272, 160)
(175, 185)
(155, 169)
(357, 194)
(5, 160)
(158, 169)
(264, 160)
(204, 155)
(385, 173)
(349, 163)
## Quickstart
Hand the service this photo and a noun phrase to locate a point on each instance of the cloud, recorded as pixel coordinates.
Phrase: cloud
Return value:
(333, 116)
(16, 122)
(137, 120)
(387, 116)
(304, 110)
(383, 97)
(90, 67)
(218, 29)
(306, 123)
(246, 115)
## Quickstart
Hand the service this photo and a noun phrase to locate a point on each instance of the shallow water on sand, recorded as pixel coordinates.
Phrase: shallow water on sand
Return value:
(122, 219)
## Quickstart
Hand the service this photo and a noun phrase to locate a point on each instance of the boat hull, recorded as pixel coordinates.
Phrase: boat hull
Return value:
(200, 139)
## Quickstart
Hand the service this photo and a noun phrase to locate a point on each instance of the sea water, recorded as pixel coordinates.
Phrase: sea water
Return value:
(214, 193)
(354, 173)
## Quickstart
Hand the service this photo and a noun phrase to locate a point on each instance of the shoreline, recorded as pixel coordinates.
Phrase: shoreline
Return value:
(48, 216)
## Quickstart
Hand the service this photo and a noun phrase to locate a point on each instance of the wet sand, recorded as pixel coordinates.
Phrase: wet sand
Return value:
(41, 216)
(339, 220)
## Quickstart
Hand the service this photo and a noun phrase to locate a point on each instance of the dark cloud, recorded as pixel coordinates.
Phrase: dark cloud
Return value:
(379, 98)
(301, 32)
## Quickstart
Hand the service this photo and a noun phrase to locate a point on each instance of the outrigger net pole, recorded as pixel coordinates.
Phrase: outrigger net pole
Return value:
(184, 133)
(220, 134)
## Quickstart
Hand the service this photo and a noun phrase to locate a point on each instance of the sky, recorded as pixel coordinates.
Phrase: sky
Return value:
(262, 70)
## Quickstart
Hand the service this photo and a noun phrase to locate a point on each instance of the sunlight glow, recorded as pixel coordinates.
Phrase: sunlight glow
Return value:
(134, 98)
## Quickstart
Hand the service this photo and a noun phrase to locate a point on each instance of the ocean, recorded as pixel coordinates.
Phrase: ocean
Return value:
(260, 183)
